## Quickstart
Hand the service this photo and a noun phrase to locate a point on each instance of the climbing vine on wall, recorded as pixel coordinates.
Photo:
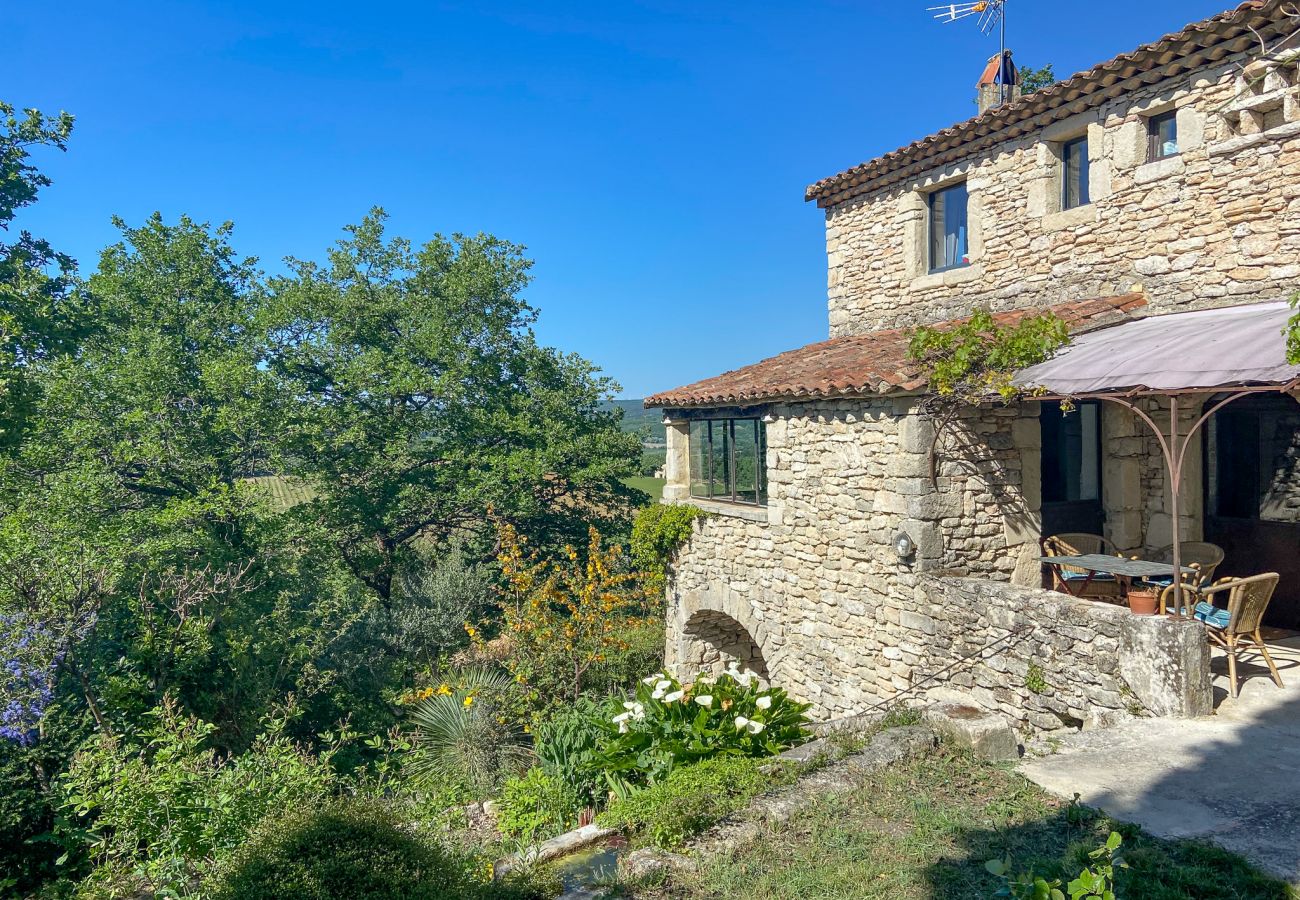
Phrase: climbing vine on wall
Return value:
(976, 361)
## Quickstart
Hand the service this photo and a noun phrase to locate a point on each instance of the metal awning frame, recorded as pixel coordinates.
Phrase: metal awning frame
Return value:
(1174, 446)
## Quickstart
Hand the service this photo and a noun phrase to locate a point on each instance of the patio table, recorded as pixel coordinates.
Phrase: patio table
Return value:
(1124, 570)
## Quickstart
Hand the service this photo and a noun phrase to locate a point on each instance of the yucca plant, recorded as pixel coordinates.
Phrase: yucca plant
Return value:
(458, 732)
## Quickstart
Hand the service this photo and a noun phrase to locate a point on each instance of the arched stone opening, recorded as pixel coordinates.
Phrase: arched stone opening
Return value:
(712, 640)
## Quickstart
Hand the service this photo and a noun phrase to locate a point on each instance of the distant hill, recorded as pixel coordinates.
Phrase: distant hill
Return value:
(647, 422)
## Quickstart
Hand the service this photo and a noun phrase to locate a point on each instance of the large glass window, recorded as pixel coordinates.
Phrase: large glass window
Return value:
(1074, 174)
(1162, 136)
(728, 459)
(948, 239)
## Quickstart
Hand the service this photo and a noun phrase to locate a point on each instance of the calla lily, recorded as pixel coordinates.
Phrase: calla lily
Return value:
(651, 679)
(754, 727)
(673, 697)
(764, 702)
(705, 700)
(741, 723)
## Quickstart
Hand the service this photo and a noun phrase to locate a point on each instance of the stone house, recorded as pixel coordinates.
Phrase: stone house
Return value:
(840, 564)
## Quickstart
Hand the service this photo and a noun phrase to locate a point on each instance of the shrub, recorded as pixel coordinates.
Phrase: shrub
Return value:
(564, 618)
(657, 533)
(162, 810)
(459, 732)
(432, 601)
(670, 724)
(691, 799)
(348, 849)
(568, 745)
(537, 806)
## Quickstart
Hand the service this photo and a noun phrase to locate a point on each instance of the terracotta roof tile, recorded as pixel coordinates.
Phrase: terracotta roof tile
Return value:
(1199, 43)
(862, 364)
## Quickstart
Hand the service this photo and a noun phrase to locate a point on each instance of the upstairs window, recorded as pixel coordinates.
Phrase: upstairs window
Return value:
(728, 460)
(1162, 136)
(948, 232)
(1074, 174)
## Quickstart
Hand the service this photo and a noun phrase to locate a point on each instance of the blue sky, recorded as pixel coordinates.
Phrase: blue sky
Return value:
(651, 155)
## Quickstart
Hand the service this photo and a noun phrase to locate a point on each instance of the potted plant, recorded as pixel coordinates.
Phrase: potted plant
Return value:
(1143, 599)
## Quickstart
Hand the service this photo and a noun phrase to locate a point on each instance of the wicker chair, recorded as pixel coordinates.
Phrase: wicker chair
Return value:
(1202, 556)
(1237, 626)
(1102, 586)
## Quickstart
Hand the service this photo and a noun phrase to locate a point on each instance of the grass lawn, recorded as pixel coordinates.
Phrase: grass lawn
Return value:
(925, 830)
(652, 486)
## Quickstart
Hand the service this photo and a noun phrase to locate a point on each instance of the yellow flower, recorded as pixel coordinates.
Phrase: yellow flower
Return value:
(469, 701)
(444, 689)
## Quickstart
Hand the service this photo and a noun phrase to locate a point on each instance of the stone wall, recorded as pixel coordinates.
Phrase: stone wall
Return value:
(1217, 224)
(804, 576)
(1062, 662)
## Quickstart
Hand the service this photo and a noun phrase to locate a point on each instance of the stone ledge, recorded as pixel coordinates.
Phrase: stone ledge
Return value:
(1160, 168)
(1065, 219)
(734, 510)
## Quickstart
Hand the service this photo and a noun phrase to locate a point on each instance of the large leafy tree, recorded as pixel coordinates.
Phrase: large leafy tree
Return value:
(413, 398)
(35, 316)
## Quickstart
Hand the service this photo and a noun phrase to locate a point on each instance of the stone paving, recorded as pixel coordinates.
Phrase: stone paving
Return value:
(1232, 778)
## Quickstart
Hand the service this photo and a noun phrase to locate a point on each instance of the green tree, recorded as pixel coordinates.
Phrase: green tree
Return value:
(35, 319)
(413, 398)
(1036, 79)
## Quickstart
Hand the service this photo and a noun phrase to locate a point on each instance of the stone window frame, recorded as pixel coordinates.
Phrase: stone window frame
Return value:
(914, 216)
(677, 423)
(1134, 138)
(1046, 193)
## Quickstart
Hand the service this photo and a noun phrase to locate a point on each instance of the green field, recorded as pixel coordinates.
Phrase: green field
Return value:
(283, 492)
(652, 486)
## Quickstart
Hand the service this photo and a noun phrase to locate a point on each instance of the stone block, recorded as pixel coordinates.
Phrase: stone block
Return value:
(987, 734)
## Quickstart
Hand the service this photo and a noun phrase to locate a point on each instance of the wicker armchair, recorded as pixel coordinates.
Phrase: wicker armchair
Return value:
(1236, 627)
(1202, 556)
(1102, 586)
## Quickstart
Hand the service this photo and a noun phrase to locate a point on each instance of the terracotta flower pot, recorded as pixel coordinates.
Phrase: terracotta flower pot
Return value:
(1143, 601)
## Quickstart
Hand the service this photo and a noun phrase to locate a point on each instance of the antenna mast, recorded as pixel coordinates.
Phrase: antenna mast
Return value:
(991, 13)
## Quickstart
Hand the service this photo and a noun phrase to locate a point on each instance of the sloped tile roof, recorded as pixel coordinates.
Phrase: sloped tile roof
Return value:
(862, 364)
(1197, 44)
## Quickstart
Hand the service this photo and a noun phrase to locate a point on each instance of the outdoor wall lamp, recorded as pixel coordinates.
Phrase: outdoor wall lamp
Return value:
(904, 546)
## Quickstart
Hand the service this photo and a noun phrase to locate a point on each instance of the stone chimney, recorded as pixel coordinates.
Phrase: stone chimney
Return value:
(999, 84)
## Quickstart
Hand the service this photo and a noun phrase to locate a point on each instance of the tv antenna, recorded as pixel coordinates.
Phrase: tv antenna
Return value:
(991, 14)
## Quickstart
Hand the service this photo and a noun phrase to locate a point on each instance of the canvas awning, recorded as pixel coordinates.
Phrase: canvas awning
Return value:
(1212, 348)
(1234, 351)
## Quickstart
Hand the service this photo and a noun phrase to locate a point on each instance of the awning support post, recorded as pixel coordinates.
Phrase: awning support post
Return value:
(1174, 450)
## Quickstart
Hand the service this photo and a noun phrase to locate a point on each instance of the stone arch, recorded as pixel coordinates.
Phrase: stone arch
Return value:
(711, 640)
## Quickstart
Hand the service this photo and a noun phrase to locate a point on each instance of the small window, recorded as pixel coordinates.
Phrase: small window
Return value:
(728, 460)
(1162, 134)
(948, 248)
(1074, 174)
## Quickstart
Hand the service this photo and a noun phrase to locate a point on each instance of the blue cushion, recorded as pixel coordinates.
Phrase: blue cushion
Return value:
(1212, 615)
(1083, 576)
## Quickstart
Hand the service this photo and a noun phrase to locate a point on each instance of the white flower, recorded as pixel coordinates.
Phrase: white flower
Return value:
(741, 722)
(673, 697)
(754, 727)
(657, 694)
(706, 700)
(706, 679)
(628, 704)
(622, 728)
(743, 679)
(663, 685)
(651, 679)
(621, 717)
(764, 702)
(638, 711)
